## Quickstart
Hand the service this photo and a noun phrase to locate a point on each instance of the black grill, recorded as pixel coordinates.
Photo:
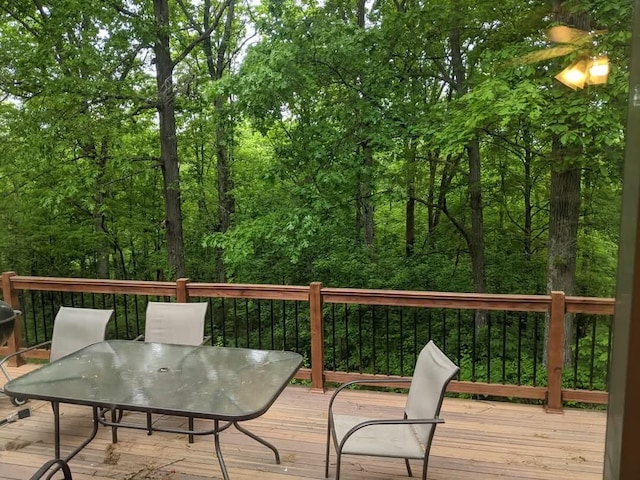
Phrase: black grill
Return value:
(7, 320)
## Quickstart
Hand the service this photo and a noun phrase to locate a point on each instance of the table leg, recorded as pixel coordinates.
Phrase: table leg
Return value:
(93, 434)
(56, 432)
(56, 429)
(216, 439)
(259, 440)
(114, 429)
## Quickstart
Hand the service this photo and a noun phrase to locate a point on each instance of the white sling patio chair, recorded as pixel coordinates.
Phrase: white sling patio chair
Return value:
(73, 328)
(180, 323)
(408, 437)
(177, 323)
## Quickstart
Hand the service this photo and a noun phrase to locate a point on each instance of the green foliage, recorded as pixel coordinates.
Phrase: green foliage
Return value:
(325, 125)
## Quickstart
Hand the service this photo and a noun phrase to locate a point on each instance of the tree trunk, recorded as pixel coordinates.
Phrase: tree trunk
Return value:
(367, 196)
(168, 140)
(99, 159)
(224, 130)
(410, 217)
(476, 237)
(476, 244)
(364, 215)
(102, 261)
(564, 208)
(564, 211)
(528, 188)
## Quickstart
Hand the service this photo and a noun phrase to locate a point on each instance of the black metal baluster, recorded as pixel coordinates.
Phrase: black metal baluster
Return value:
(360, 338)
(259, 305)
(488, 347)
(577, 352)
(115, 313)
(246, 321)
(373, 325)
(297, 327)
(222, 320)
(459, 339)
(415, 335)
(272, 317)
(346, 335)
(210, 322)
(504, 347)
(521, 320)
(606, 372)
(401, 343)
(593, 351)
(125, 306)
(535, 351)
(473, 347)
(387, 341)
(137, 313)
(284, 325)
(44, 316)
(333, 336)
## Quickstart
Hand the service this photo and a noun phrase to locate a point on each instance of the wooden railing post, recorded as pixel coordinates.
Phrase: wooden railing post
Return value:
(11, 297)
(555, 352)
(317, 336)
(182, 290)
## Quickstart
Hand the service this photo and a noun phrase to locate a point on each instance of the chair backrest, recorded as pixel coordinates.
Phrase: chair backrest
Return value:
(431, 376)
(75, 328)
(179, 323)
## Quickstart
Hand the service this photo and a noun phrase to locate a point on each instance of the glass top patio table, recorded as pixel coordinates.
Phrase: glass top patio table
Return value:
(217, 383)
(207, 382)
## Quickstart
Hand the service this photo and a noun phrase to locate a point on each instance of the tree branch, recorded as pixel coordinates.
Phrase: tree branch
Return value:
(201, 37)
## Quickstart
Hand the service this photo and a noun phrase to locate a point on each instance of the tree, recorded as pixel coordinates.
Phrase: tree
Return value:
(166, 97)
(567, 163)
(168, 138)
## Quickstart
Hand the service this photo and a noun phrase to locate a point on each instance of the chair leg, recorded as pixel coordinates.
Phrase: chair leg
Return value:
(149, 424)
(406, 462)
(5, 372)
(339, 457)
(425, 465)
(326, 457)
(191, 436)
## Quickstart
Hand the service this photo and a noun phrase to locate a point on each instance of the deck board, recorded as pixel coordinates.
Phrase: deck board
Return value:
(480, 440)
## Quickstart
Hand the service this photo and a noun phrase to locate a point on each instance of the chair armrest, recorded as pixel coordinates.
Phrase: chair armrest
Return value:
(20, 352)
(55, 464)
(404, 421)
(364, 382)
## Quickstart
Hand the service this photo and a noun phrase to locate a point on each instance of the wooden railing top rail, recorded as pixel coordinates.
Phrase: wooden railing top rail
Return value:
(596, 306)
(404, 298)
(238, 290)
(90, 285)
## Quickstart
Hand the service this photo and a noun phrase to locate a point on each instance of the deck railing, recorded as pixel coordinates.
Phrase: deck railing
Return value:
(346, 334)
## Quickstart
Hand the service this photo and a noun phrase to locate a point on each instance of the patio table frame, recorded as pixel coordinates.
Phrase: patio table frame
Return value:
(224, 384)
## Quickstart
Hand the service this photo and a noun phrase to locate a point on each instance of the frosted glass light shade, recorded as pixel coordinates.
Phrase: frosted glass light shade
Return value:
(575, 75)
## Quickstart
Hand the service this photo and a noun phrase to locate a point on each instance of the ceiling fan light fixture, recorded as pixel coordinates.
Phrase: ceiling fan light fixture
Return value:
(575, 75)
(598, 70)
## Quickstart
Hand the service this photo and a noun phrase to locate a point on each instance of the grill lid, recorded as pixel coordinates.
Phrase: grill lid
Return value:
(6, 312)
(7, 319)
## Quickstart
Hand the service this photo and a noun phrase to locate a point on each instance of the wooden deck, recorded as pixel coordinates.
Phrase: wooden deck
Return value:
(480, 440)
